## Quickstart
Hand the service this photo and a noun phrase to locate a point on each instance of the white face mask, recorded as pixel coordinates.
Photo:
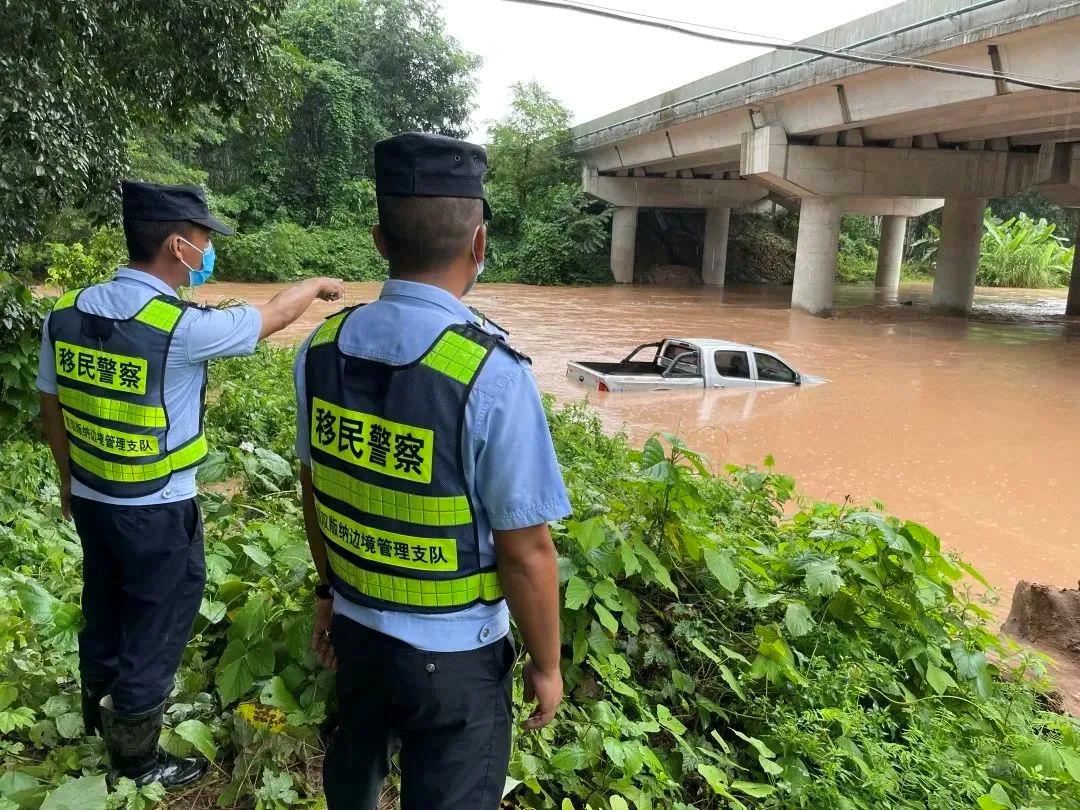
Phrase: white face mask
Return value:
(479, 262)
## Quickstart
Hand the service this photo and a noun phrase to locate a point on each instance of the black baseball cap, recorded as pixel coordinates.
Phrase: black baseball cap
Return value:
(417, 164)
(153, 202)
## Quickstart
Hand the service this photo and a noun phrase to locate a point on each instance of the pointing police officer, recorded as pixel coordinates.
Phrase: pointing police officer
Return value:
(122, 377)
(429, 478)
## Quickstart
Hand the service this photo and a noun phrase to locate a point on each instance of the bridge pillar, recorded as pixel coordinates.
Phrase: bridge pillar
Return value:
(623, 243)
(958, 254)
(890, 255)
(815, 254)
(1072, 306)
(714, 255)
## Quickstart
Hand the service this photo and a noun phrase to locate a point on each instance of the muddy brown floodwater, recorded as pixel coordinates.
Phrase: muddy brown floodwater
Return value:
(970, 426)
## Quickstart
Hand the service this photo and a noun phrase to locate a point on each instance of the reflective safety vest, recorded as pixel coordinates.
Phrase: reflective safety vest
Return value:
(110, 375)
(391, 493)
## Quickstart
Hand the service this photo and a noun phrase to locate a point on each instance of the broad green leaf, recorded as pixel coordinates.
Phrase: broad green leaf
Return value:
(250, 620)
(759, 746)
(755, 789)
(234, 675)
(798, 620)
(607, 590)
(720, 564)
(569, 758)
(618, 803)
(275, 693)
(653, 453)
(198, 734)
(1041, 756)
(8, 694)
(1071, 760)
(939, 679)
(996, 799)
(212, 611)
(715, 777)
(84, 793)
(589, 533)
(822, 578)
(261, 657)
(606, 619)
(69, 725)
(567, 805)
(578, 593)
(732, 681)
(704, 648)
(973, 573)
(968, 664)
(257, 555)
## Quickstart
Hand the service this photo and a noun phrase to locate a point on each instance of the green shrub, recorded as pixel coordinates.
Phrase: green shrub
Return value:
(725, 646)
(285, 251)
(21, 316)
(81, 265)
(563, 240)
(1022, 252)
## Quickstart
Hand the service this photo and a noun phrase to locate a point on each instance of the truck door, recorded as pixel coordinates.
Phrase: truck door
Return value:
(732, 369)
(773, 372)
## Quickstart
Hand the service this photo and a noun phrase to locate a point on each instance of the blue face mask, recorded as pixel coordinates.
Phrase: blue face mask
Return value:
(205, 270)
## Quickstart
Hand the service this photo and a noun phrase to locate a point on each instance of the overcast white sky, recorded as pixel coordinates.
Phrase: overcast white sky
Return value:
(596, 66)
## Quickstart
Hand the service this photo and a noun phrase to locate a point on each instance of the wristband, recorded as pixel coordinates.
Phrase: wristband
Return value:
(323, 591)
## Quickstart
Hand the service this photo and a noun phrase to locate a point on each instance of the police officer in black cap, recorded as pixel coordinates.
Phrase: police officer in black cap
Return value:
(428, 478)
(122, 377)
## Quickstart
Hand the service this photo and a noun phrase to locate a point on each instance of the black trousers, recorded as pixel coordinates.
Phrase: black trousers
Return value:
(143, 577)
(448, 714)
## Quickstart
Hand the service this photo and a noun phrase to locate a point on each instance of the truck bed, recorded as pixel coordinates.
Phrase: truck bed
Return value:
(632, 375)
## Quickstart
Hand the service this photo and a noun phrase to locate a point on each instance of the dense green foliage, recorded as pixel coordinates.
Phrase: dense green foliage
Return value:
(77, 77)
(725, 645)
(544, 229)
(1018, 252)
(21, 315)
(1023, 252)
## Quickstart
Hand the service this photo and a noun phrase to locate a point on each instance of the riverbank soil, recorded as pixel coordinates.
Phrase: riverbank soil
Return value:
(1049, 619)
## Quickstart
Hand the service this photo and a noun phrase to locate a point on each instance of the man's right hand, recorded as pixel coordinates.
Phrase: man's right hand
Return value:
(328, 289)
(289, 304)
(546, 688)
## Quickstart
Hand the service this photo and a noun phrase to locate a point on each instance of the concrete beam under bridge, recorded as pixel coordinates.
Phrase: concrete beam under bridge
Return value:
(671, 192)
(890, 206)
(863, 171)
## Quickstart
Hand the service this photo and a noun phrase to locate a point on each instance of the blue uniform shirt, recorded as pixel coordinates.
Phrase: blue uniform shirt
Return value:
(201, 335)
(510, 462)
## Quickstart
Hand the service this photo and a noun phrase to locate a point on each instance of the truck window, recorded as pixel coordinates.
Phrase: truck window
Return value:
(732, 364)
(688, 365)
(772, 370)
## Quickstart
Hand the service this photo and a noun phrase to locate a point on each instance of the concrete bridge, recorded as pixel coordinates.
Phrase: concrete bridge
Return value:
(827, 136)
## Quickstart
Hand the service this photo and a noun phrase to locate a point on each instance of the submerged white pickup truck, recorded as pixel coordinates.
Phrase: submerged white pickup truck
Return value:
(684, 363)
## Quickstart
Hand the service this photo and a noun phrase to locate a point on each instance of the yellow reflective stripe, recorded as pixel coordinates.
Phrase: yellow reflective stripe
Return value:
(388, 548)
(160, 315)
(426, 510)
(116, 372)
(112, 441)
(327, 333)
(112, 409)
(136, 473)
(456, 357)
(368, 441)
(66, 300)
(463, 591)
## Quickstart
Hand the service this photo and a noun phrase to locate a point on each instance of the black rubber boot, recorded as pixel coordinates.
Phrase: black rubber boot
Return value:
(132, 743)
(92, 692)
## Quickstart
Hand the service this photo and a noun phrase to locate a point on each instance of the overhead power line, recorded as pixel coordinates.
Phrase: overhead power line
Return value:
(868, 59)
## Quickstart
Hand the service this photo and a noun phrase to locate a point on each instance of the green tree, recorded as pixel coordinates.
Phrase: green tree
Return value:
(420, 77)
(544, 230)
(529, 148)
(78, 76)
